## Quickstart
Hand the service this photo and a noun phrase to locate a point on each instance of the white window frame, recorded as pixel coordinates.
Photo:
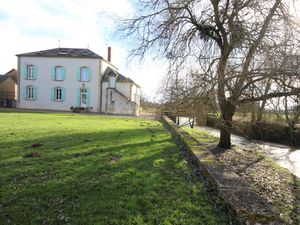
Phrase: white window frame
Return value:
(84, 73)
(58, 94)
(112, 82)
(59, 73)
(29, 92)
(83, 96)
(30, 72)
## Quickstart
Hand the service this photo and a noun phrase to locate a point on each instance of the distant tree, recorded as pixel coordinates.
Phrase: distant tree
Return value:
(226, 38)
(187, 96)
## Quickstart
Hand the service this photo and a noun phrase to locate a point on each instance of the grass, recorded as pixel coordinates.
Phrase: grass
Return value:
(201, 135)
(96, 170)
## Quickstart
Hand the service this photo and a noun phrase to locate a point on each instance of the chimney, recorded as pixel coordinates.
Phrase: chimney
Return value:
(109, 54)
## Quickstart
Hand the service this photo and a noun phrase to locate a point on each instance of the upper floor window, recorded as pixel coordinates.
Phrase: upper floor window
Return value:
(84, 74)
(30, 72)
(59, 73)
(112, 82)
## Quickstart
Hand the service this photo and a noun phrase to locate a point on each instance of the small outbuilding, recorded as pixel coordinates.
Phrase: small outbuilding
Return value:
(8, 89)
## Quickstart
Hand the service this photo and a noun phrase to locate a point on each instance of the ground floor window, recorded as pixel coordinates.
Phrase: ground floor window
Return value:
(30, 92)
(58, 94)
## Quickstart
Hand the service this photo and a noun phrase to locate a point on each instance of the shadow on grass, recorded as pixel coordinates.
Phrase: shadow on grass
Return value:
(149, 184)
(74, 140)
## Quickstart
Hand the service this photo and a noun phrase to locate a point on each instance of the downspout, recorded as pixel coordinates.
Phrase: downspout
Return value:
(100, 87)
(18, 81)
(130, 91)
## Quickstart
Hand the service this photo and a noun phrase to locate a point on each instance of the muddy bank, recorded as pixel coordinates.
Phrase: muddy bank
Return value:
(279, 187)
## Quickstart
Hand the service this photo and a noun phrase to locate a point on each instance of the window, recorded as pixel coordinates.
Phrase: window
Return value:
(112, 82)
(58, 94)
(59, 73)
(30, 72)
(84, 74)
(29, 91)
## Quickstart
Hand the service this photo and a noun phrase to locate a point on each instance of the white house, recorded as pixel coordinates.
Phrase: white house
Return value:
(65, 78)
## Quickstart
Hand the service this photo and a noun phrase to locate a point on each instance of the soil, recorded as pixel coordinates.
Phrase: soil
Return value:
(276, 184)
(36, 145)
(33, 155)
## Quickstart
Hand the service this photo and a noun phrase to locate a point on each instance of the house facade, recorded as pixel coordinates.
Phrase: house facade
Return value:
(67, 78)
(8, 89)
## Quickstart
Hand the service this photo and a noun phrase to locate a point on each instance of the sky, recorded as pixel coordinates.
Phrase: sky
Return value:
(34, 25)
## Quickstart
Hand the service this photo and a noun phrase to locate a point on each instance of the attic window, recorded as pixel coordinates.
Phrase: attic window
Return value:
(112, 82)
(63, 52)
(85, 53)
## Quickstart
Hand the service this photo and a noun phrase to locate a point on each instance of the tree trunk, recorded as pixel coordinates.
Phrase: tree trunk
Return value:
(191, 122)
(253, 112)
(227, 112)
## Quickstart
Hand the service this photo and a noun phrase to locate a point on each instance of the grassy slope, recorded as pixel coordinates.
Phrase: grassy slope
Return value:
(96, 170)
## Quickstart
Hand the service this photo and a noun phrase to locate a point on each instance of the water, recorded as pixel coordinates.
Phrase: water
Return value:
(286, 156)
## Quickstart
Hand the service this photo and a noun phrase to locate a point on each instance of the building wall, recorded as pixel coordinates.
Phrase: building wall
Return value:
(117, 104)
(135, 94)
(9, 87)
(44, 82)
(114, 103)
(124, 88)
(103, 96)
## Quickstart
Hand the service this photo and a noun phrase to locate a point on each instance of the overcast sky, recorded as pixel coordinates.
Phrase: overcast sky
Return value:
(33, 25)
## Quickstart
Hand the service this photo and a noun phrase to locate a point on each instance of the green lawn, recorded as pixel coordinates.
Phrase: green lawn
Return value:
(96, 170)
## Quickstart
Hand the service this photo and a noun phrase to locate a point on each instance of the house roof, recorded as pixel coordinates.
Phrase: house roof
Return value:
(10, 74)
(64, 52)
(119, 77)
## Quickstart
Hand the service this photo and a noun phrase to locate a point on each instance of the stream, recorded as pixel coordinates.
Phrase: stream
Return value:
(286, 156)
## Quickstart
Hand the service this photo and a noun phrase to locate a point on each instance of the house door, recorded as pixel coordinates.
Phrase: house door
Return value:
(83, 97)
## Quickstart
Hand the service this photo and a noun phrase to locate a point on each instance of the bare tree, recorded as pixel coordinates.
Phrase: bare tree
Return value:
(225, 38)
(186, 96)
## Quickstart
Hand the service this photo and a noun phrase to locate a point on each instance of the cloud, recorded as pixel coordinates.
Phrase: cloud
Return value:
(33, 25)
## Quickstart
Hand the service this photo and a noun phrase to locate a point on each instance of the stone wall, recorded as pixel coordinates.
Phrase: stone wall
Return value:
(244, 205)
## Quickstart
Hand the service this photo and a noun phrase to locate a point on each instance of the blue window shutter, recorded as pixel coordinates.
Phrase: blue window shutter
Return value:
(90, 73)
(63, 94)
(52, 94)
(78, 74)
(88, 97)
(53, 73)
(35, 72)
(64, 73)
(24, 94)
(78, 98)
(35, 93)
